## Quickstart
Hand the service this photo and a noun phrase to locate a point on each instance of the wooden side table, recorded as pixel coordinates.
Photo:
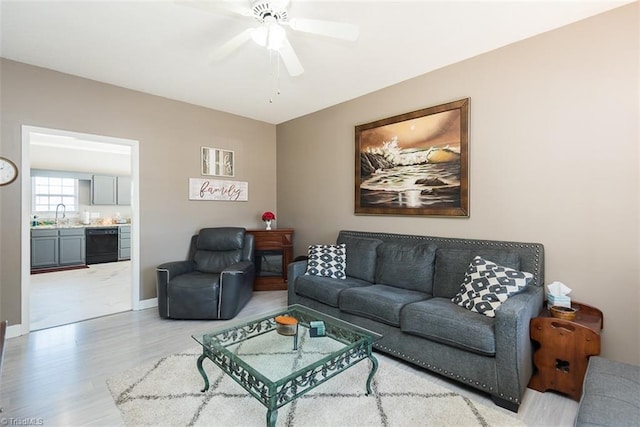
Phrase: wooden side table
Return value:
(273, 253)
(561, 360)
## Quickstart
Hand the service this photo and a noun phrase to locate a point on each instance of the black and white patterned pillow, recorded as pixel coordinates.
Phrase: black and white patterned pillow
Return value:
(487, 285)
(327, 261)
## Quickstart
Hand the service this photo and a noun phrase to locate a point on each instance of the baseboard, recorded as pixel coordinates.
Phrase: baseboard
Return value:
(14, 331)
(147, 303)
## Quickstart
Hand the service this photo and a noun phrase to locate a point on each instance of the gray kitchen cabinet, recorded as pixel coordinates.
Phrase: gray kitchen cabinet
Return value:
(57, 247)
(44, 248)
(123, 190)
(103, 190)
(110, 190)
(124, 242)
(72, 246)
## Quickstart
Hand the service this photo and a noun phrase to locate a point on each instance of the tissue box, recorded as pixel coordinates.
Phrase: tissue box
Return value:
(560, 300)
(316, 329)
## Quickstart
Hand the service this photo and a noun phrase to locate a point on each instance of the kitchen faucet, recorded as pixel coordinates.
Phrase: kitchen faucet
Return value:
(64, 213)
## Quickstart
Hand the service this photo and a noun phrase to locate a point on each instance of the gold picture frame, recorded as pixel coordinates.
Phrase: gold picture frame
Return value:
(415, 163)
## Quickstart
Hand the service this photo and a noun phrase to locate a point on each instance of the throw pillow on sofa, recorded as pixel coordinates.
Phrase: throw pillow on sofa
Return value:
(327, 261)
(487, 285)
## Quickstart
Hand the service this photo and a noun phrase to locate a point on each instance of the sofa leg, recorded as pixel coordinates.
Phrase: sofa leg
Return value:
(506, 404)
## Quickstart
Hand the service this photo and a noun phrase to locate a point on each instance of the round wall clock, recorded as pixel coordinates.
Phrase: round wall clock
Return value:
(8, 171)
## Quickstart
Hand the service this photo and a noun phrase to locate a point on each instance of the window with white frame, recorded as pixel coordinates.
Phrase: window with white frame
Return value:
(48, 192)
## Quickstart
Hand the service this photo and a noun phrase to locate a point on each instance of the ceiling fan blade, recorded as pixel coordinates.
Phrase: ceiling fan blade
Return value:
(290, 59)
(231, 45)
(230, 6)
(338, 30)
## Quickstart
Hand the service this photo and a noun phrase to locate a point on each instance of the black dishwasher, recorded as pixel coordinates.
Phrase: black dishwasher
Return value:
(102, 245)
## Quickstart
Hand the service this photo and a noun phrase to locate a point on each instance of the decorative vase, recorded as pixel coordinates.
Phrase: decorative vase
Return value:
(268, 222)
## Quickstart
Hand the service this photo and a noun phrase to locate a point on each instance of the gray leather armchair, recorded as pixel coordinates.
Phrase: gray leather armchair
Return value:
(214, 283)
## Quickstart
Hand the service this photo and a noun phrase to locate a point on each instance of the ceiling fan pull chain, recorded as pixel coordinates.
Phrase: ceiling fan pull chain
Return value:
(274, 62)
(278, 74)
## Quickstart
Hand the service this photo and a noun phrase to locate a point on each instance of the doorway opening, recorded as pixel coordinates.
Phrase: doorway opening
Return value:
(70, 294)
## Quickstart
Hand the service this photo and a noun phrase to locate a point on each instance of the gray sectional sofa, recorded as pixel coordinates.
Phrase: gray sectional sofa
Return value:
(401, 287)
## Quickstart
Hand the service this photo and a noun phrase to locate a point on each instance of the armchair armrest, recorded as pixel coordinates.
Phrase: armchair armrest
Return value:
(242, 267)
(513, 343)
(176, 268)
(164, 273)
(236, 288)
(294, 270)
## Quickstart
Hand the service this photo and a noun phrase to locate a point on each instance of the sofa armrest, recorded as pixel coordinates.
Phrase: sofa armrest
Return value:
(513, 344)
(164, 273)
(294, 270)
(236, 288)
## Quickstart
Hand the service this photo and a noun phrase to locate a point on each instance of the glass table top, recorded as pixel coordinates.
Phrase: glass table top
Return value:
(258, 348)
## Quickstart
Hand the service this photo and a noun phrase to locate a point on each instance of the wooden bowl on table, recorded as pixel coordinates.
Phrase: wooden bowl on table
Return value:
(564, 313)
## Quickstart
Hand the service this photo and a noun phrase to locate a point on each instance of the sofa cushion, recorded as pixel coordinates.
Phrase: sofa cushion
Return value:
(324, 289)
(487, 285)
(406, 266)
(327, 261)
(362, 255)
(378, 302)
(439, 320)
(451, 266)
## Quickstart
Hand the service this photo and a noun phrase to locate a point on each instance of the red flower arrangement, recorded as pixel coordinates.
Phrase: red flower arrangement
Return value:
(268, 216)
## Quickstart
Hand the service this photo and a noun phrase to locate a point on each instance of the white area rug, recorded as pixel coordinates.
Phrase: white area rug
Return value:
(167, 393)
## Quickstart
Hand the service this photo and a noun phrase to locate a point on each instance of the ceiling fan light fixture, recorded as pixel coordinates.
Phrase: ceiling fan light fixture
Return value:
(259, 35)
(275, 36)
(271, 17)
(269, 35)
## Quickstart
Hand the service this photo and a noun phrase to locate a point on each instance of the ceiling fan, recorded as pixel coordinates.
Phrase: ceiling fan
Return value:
(272, 16)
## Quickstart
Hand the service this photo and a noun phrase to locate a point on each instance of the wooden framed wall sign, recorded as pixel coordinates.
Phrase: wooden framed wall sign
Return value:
(415, 163)
(218, 190)
(217, 162)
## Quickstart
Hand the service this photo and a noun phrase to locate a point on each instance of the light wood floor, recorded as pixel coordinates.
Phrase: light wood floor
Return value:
(58, 375)
(63, 297)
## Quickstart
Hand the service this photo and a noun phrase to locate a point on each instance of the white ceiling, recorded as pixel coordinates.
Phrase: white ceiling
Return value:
(163, 48)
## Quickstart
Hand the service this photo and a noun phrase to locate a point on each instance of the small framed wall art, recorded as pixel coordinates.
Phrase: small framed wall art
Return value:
(217, 162)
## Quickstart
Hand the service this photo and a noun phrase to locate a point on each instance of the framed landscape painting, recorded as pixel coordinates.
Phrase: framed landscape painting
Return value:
(415, 163)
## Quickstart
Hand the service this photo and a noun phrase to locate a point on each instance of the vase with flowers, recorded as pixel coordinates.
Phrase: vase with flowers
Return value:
(267, 217)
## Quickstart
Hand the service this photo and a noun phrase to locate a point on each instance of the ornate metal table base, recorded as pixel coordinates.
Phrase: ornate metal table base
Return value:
(353, 346)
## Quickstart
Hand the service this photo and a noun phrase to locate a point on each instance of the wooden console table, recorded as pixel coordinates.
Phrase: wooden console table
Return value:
(274, 244)
(565, 346)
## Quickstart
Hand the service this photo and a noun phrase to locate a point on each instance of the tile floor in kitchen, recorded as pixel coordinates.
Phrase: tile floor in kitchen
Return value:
(63, 297)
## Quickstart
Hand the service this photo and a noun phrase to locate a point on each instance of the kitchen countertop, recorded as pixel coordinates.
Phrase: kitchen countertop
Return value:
(50, 227)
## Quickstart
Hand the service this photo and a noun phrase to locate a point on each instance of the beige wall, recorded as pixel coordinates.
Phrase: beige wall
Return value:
(170, 135)
(553, 159)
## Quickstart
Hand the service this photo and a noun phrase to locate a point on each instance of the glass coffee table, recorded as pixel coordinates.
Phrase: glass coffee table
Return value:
(277, 364)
